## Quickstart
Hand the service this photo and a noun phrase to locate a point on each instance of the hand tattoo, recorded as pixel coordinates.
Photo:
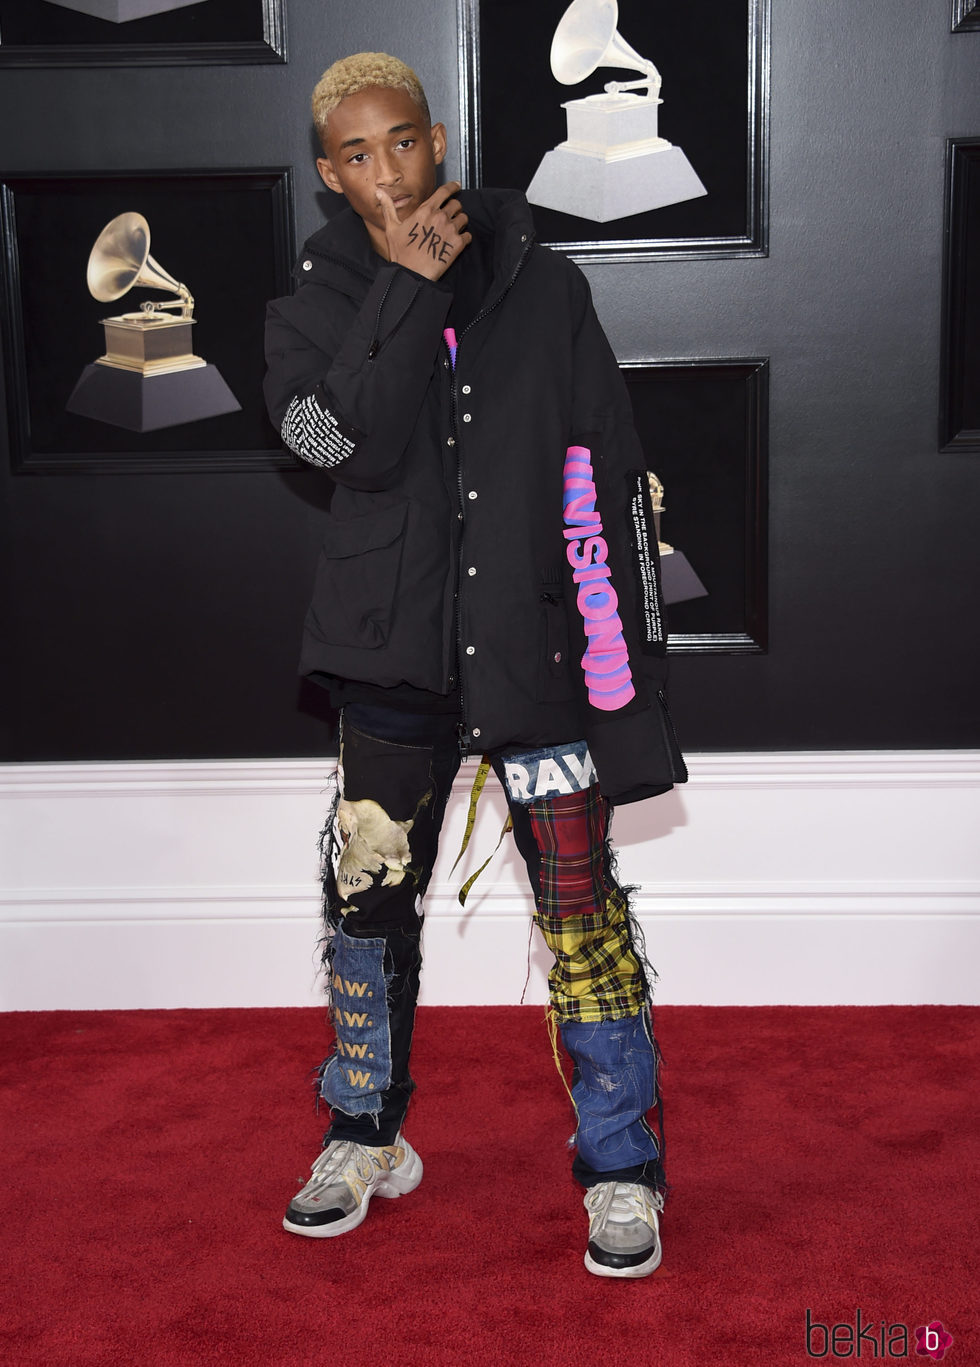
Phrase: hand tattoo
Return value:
(432, 242)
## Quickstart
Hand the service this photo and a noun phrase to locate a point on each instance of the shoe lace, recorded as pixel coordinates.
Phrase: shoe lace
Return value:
(622, 1202)
(345, 1160)
(330, 1164)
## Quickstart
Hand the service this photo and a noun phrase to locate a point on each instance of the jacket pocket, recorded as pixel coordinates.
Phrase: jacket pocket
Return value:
(554, 680)
(357, 578)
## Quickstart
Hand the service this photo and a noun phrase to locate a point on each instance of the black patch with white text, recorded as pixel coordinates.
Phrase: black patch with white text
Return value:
(645, 558)
(316, 435)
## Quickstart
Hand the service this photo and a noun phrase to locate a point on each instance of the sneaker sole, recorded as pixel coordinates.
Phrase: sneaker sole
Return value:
(399, 1183)
(640, 1270)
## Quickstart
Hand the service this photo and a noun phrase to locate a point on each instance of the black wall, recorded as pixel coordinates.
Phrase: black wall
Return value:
(158, 616)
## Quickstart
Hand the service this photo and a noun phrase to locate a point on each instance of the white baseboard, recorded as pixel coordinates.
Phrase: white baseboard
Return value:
(814, 877)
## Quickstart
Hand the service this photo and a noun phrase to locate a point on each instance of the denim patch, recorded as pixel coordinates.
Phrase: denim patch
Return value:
(359, 1069)
(615, 1086)
(551, 771)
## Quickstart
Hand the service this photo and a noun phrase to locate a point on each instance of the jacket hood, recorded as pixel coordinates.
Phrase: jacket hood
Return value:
(340, 253)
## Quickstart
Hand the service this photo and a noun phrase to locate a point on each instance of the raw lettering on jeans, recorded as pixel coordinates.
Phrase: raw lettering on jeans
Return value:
(550, 771)
(606, 663)
(357, 1073)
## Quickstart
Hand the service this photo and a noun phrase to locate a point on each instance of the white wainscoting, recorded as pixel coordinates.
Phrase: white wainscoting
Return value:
(818, 877)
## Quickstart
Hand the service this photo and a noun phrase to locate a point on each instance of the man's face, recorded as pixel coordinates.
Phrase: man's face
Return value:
(379, 138)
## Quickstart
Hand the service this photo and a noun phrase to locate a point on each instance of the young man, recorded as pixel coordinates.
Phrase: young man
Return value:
(488, 583)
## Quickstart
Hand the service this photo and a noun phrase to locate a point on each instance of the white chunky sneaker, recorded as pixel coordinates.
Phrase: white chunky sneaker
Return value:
(624, 1229)
(345, 1177)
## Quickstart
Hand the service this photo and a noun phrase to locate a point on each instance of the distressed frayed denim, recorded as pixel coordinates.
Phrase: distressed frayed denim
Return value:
(397, 773)
(356, 1074)
(614, 1086)
(404, 766)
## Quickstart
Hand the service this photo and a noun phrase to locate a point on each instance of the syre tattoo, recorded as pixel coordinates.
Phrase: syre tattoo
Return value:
(428, 240)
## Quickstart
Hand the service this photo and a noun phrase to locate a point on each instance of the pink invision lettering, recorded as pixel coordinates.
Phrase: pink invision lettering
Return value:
(449, 336)
(605, 664)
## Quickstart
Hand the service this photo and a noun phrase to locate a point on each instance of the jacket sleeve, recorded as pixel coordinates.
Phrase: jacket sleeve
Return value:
(613, 597)
(349, 403)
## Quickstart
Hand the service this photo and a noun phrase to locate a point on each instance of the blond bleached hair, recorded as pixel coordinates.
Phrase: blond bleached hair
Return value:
(363, 70)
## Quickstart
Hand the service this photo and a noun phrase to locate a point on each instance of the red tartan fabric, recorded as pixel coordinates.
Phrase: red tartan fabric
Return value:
(583, 912)
(571, 834)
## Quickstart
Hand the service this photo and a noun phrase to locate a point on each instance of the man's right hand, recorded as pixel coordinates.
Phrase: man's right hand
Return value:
(428, 240)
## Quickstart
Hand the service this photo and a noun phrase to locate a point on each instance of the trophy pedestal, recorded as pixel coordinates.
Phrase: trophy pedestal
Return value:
(678, 580)
(121, 11)
(613, 163)
(145, 403)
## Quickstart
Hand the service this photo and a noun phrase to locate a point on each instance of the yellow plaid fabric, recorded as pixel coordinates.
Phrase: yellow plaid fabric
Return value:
(596, 975)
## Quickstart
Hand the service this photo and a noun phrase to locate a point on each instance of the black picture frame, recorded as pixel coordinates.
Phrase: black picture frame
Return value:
(714, 59)
(228, 234)
(40, 33)
(704, 426)
(959, 405)
(965, 16)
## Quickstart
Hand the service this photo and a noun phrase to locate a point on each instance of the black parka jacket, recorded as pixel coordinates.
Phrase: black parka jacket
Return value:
(490, 531)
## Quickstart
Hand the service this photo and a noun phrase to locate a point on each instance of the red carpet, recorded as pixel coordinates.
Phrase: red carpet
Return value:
(821, 1159)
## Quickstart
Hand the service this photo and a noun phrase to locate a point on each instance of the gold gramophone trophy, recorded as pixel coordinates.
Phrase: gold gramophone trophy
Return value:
(677, 576)
(149, 376)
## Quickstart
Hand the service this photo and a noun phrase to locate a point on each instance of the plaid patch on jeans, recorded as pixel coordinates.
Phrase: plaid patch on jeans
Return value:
(570, 833)
(583, 912)
(596, 975)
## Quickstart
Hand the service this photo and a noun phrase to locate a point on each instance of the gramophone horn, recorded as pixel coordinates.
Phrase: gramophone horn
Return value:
(121, 259)
(587, 38)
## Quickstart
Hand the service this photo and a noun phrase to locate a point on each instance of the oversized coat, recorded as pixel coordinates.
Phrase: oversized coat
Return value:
(490, 533)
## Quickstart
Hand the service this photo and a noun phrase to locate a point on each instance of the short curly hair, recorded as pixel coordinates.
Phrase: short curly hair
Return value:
(353, 74)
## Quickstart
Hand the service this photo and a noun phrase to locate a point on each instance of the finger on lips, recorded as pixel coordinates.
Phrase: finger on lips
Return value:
(387, 205)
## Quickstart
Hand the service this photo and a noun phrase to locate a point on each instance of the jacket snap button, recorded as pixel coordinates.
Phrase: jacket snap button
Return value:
(557, 657)
(473, 494)
(471, 571)
(471, 650)
(466, 389)
(476, 730)
(307, 265)
(451, 441)
(467, 417)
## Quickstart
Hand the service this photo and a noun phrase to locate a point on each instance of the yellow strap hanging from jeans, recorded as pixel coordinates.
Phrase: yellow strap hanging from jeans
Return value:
(482, 774)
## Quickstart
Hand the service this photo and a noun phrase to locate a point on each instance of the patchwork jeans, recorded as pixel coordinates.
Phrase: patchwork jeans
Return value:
(395, 775)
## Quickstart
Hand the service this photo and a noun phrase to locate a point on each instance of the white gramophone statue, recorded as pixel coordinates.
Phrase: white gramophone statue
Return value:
(613, 163)
(122, 11)
(149, 376)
